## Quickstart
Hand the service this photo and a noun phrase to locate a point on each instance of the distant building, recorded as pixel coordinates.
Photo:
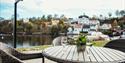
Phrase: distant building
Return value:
(105, 26)
(77, 28)
(26, 20)
(94, 24)
(86, 28)
(86, 24)
(83, 20)
(54, 22)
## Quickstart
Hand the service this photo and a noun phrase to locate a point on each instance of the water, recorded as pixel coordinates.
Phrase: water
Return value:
(28, 41)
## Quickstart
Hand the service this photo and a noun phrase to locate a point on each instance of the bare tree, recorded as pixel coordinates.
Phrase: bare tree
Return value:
(117, 13)
(122, 12)
(109, 14)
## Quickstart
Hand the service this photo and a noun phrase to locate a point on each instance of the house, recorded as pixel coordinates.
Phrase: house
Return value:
(54, 22)
(79, 21)
(83, 20)
(73, 21)
(85, 24)
(105, 26)
(26, 20)
(94, 24)
(86, 28)
(89, 24)
(77, 28)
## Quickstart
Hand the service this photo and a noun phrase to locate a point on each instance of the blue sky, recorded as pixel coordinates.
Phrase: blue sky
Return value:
(70, 8)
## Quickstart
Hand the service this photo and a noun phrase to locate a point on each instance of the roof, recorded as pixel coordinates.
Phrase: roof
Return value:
(86, 26)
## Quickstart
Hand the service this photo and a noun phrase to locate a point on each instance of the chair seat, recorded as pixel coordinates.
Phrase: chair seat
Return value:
(118, 44)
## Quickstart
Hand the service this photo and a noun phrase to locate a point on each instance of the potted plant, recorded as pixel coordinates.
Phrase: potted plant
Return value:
(81, 43)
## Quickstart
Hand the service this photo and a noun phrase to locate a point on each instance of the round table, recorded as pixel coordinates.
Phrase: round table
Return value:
(69, 54)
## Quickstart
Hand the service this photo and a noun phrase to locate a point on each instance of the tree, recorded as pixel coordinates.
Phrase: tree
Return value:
(122, 12)
(44, 27)
(43, 18)
(20, 26)
(55, 16)
(62, 16)
(33, 19)
(1, 18)
(27, 27)
(101, 15)
(54, 31)
(49, 17)
(117, 13)
(6, 26)
(114, 24)
(109, 14)
(62, 27)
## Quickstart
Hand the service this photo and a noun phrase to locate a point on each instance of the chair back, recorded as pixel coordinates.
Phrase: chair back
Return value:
(7, 54)
(118, 44)
(4, 47)
(56, 41)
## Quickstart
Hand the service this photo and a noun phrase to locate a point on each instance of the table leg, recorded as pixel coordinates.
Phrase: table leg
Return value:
(43, 59)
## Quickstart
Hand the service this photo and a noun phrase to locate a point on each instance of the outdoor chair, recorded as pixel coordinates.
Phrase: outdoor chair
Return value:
(10, 55)
(118, 44)
(59, 40)
(56, 41)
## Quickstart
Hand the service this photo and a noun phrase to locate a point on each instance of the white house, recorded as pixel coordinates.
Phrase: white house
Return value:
(105, 26)
(77, 28)
(89, 24)
(26, 20)
(83, 20)
(94, 25)
(85, 24)
(86, 28)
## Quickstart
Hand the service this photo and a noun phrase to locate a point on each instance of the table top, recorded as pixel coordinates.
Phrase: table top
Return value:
(69, 54)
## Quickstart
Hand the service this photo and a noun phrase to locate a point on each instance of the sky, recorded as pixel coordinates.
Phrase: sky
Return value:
(70, 8)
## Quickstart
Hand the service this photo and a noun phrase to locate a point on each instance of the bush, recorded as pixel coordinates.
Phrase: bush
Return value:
(108, 32)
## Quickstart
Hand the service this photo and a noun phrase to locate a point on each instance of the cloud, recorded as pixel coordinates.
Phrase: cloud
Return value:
(68, 7)
(74, 8)
(84, 4)
(25, 8)
(7, 1)
(30, 8)
(6, 13)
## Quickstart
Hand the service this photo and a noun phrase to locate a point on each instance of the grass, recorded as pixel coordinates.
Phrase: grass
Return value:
(99, 43)
(34, 48)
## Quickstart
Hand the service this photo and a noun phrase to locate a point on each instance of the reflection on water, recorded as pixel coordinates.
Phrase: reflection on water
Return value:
(27, 41)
